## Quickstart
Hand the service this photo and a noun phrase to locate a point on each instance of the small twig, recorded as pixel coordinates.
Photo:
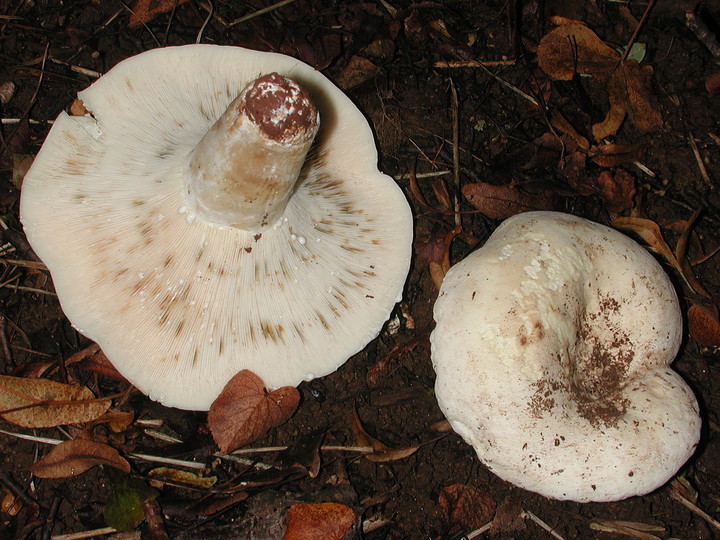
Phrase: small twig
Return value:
(455, 151)
(85, 534)
(478, 532)
(507, 85)
(325, 448)
(262, 11)
(211, 10)
(698, 159)
(6, 350)
(638, 28)
(542, 524)
(472, 63)
(675, 494)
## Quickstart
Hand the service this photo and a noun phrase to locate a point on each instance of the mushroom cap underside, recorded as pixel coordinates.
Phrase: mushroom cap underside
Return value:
(552, 349)
(180, 305)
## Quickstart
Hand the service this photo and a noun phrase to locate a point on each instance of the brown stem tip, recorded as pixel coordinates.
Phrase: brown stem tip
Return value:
(282, 109)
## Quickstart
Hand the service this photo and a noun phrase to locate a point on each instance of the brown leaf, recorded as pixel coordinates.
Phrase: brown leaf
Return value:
(617, 189)
(436, 250)
(46, 403)
(704, 326)
(162, 475)
(712, 84)
(91, 358)
(76, 456)
(571, 138)
(144, 11)
(501, 202)
(244, 411)
(358, 70)
(572, 48)
(629, 88)
(612, 155)
(466, 507)
(381, 452)
(611, 124)
(322, 521)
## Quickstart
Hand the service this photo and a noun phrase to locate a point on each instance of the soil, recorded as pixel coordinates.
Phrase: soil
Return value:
(385, 56)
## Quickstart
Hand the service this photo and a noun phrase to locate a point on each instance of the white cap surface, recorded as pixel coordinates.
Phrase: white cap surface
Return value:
(552, 352)
(178, 304)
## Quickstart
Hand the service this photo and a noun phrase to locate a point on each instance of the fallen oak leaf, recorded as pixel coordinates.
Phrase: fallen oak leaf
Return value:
(38, 403)
(326, 521)
(381, 452)
(704, 326)
(573, 48)
(74, 457)
(612, 155)
(466, 507)
(244, 411)
(502, 202)
(630, 88)
(617, 189)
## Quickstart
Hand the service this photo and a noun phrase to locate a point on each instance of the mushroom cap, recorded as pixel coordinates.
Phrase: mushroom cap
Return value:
(179, 305)
(552, 350)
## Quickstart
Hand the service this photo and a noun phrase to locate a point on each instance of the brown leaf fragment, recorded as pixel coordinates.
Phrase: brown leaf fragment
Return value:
(162, 475)
(46, 403)
(712, 84)
(436, 250)
(611, 123)
(651, 234)
(76, 456)
(630, 89)
(93, 359)
(704, 326)
(501, 202)
(617, 190)
(466, 507)
(144, 11)
(613, 155)
(244, 411)
(381, 452)
(358, 70)
(572, 138)
(573, 48)
(321, 521)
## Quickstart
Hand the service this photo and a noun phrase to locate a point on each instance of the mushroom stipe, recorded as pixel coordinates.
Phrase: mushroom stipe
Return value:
(552, 351)
(218, 209)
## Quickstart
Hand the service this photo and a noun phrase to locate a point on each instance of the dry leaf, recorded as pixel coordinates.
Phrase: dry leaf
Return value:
(612, 155)
(630, 89)
(322, 521)
(358, 70)
(381, 452)
(572, 48)
(144, 11)
(436, 251)
(572, 139)
(161, 475)
(703, 326)
(466, 507)
(91, 358)
(244, 411)
(712, 84)
(617, 189)
(76, 456)
(611, 124)
(50, 403)
(501, 202)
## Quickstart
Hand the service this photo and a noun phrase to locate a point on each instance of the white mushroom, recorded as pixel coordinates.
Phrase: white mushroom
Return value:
(552, 352)
(188, 233)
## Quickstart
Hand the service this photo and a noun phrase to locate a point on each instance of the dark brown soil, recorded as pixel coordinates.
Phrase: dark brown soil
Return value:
(384, 55)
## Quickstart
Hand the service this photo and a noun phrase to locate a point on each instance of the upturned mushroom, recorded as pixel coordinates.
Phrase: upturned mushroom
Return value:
(195, 225)
(552, 351)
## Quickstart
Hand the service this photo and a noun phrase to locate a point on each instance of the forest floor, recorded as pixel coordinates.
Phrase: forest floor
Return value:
(470, 112)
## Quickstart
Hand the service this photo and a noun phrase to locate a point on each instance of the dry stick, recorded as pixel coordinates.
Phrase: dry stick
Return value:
(204, 24)
(694, 508)
(542, 524)
(698, 158)
(262, 11)
(473, 63)
(85, 534)
(455, 152)
(639, 27)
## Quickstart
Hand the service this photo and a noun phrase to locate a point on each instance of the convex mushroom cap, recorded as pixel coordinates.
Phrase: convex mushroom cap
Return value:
(195, 226)
(552, 351)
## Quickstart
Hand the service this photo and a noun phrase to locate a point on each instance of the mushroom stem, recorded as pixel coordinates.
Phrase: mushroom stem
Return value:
(243, 171)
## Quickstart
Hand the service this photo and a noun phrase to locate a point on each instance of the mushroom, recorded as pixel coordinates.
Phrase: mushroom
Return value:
(193, 228)
(552, 351)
